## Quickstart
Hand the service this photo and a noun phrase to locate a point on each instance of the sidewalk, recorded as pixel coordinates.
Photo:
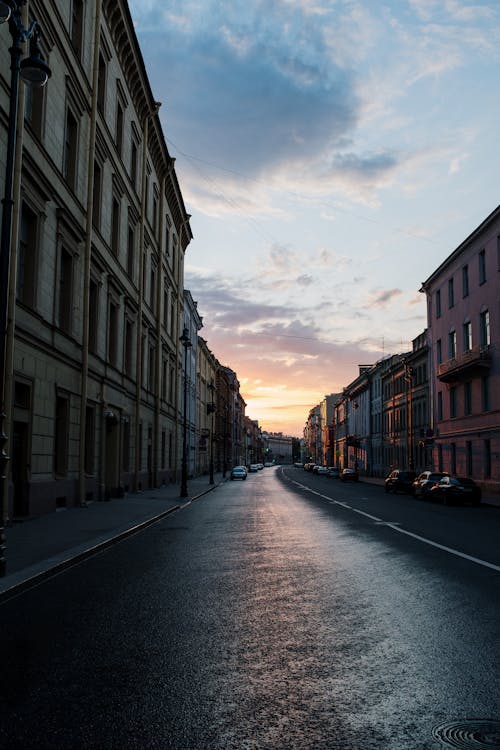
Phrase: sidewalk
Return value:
(41, 546)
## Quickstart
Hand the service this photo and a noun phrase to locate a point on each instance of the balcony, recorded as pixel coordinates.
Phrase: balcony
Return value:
(477, 358)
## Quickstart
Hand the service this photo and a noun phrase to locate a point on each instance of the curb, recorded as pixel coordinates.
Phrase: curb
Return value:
(54, 565)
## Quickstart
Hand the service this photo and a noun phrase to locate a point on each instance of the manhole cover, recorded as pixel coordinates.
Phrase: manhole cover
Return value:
(469, 734)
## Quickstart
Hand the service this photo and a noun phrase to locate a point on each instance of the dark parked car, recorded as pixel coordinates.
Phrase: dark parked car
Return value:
(426, 480)
(400, 481)
(334, 471)
(349, 475)
(459, 490)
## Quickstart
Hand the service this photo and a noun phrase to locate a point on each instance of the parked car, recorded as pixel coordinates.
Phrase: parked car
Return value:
(239, 472)
(459, 490)
(334, 471)
(400, 481)
(349, 475)
(322, 470)
(426, 480)
(253, 467)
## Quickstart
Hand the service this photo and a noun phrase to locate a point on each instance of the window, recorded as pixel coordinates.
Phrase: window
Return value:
(487, 459)
(467, 336)
(164, 379)
(452, 345)
(439, 352)
(484, 329)
(167, 237)
(89, 440)
(77, 26)
(61, 430)
(468, 398)
(155, 212)
(113, 333)
(70, 155)
(133, 164)
(174, 254)
(451, 293)
(130, 251)
(96, 196)
(453, 402)
(119, 128)
(129, 341)
(101, 83)
(165, 305)
(33, 108)
(27, 257)
(152, 287)
(144, 278)
(485, 393)
(172, 316)
(440, 406)
(465, 281)
(482, 267)
(163, 448)
(438, 303)
(151, 368)
(66, 291)
(453, 457)
(115, 226)
(468, 457)
(93, 315)
(126, 446)
(171, 385)
(143, 362)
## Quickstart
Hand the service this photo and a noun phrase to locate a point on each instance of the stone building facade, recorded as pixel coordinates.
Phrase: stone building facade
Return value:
(99, 238)
(463, 312)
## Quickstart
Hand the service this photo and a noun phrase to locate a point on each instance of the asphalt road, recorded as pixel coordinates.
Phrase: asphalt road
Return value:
(265, 616)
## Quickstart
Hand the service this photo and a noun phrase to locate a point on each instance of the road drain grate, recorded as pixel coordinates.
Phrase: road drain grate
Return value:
(469, 734)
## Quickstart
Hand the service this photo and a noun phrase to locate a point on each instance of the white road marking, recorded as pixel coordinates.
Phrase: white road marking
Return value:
(395, 525)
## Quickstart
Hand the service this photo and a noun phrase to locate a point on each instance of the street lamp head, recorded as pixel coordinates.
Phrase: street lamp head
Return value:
(5, 11)
(185, 340)
(34, 69)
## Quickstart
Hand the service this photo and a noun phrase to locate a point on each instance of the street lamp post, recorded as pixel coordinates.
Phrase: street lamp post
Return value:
(33, 70)
(186, 343)
(211, 387)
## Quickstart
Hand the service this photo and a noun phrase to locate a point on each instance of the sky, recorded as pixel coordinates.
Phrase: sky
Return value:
(332, 153)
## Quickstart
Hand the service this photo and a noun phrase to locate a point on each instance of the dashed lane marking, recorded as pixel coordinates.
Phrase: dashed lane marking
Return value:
(395, 525)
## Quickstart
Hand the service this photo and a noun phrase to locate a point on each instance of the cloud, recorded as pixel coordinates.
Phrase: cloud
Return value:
(382, 298)
(259, 78)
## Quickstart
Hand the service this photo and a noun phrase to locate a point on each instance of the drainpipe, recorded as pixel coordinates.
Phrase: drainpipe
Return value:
(87, 262)
(138, 366)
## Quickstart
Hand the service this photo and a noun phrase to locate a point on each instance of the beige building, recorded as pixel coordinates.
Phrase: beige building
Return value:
(99, 236)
